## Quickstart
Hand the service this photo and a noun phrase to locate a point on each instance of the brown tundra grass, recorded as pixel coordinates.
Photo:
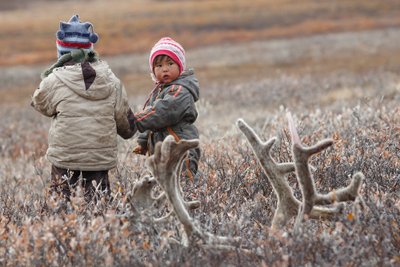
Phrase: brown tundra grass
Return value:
(236, 197)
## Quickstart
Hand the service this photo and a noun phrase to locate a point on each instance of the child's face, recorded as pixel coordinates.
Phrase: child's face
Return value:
(166, 70)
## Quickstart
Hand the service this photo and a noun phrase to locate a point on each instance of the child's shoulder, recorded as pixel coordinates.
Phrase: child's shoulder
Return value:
(188, 73)
(183, 88)
(173, 88)
(49, 79)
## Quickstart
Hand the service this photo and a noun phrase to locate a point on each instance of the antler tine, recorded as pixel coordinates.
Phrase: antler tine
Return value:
(310, 195)
(252, 137)
(262, 149)
(292, 129)
(175, 150)
(349, 193)
(287, 205)
(301, 156)
(165, 164)
(141, 193)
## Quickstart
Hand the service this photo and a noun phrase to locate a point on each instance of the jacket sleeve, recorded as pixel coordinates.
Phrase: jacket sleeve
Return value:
(43, 98)
(176, 105)
(122, 114)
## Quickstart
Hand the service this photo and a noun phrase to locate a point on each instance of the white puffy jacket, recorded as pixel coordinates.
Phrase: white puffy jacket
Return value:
(89, 107)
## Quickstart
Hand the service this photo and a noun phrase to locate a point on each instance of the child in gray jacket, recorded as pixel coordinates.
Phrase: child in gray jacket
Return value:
(88, 106)
(170, 108)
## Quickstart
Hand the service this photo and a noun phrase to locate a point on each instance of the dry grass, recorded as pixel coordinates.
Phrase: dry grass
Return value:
(236, 197)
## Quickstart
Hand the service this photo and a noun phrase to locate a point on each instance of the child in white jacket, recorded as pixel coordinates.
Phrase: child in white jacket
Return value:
(88, 106)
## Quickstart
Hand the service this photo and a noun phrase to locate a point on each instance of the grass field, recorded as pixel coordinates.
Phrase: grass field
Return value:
(333, 64)
(128, 26)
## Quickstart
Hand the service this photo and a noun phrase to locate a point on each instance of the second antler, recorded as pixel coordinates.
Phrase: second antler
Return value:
(288, 206)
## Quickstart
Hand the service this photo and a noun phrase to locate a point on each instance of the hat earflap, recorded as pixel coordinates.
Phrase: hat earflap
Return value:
(93, 37)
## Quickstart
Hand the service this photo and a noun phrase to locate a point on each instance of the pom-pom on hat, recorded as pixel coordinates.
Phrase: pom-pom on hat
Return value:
(167, 46)
(75, 34)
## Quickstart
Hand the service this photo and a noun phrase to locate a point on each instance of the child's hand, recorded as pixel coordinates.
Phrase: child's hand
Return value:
(140, 150)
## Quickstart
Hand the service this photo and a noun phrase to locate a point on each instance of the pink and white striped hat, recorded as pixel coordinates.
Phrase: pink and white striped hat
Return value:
(167, 46)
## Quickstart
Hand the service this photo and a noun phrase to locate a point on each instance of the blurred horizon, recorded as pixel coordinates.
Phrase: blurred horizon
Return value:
(133, 26)
(230, 43)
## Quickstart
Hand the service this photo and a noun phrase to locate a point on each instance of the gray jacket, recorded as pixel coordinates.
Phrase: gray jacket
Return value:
(89, 107)
(170, 110)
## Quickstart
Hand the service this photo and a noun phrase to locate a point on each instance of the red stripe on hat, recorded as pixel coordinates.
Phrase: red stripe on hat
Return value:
(75, 45)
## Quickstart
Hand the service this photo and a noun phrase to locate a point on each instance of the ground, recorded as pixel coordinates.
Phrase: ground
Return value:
(334, 65)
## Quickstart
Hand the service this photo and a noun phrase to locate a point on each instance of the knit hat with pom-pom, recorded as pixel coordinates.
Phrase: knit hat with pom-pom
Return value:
(167, 46)
(74, 35)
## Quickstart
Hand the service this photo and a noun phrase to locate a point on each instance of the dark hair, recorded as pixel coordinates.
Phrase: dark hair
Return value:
(159, 58)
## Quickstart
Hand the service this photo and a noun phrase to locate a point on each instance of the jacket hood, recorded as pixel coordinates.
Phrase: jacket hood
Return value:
(190, 82)
(92, 81)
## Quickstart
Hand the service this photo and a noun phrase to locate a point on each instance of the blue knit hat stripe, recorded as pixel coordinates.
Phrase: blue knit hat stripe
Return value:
(86, 35)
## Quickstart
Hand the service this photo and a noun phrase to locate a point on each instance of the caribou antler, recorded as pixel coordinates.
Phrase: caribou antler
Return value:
(142, 197)
(165, 165)
(311, 197)
(288, 206)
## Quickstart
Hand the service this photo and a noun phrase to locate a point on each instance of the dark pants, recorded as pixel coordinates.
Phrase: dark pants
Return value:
(62, 180)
